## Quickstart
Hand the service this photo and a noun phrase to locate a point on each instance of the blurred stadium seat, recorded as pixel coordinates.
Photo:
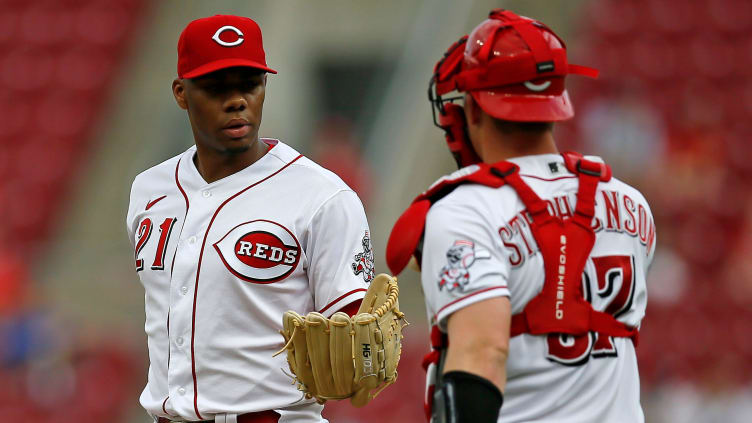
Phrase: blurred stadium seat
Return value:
(56, 58)
(693, 60)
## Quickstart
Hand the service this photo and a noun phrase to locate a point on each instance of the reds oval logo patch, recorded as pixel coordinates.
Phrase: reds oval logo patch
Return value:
(260, 251)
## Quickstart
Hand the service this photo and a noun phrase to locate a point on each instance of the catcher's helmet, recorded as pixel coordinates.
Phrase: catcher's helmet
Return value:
(514, 68)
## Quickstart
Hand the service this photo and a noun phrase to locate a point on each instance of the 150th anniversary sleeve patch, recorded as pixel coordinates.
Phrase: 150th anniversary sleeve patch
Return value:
(460, 257)
(260, 251)
(364, 263)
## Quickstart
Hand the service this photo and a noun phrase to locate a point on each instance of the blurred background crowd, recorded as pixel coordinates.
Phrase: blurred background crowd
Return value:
(85, 105)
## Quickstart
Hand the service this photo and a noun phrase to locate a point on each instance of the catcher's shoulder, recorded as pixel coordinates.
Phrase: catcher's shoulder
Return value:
(464, 199)
(617, 184)
(626, 190)
(462, 204)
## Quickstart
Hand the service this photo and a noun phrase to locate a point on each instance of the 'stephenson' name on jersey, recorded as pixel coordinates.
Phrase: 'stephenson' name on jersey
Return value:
(623, 215)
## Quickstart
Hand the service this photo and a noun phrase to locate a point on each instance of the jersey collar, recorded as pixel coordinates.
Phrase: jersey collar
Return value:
(279, 154)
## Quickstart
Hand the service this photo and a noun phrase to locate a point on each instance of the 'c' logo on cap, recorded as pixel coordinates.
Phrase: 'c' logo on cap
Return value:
(216, 35)
(537, 87)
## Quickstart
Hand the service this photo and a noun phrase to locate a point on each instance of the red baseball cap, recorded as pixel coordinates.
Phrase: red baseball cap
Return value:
(218, 42)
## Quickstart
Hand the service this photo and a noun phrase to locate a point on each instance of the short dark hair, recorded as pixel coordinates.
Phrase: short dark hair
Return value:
(506, 126)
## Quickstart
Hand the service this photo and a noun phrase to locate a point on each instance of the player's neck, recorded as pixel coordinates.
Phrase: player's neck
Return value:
(497, 147)
(214, 165)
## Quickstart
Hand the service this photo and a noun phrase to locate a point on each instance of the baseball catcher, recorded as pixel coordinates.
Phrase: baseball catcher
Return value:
(533, 261)
(347, 357)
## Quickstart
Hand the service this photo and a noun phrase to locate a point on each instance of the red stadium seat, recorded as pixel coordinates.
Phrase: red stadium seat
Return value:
(672, 16)
(103, 23)
(85, 68)
(712, 55)
(612, 17)
(56, 57)
(652, 57)
(733, 16)
(26, 69)
(604, 55)
(16, 116)
(66, 113)
(8, 23)
(743, 56)
(738, 145)
(45, 23)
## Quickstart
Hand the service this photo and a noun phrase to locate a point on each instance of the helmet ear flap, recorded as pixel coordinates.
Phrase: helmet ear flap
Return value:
(455, 126)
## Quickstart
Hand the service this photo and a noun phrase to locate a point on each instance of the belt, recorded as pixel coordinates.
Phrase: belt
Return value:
(267, 416)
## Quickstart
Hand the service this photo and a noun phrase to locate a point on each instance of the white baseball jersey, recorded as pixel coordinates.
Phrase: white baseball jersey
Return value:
(478, 245)
(221, 262)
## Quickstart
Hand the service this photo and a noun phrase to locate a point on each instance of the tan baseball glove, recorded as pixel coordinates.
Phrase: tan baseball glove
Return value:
(343, 357)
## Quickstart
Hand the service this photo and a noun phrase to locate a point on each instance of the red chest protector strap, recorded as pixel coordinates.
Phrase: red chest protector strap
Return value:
(565, 245)
(560, 307)
(406, 238)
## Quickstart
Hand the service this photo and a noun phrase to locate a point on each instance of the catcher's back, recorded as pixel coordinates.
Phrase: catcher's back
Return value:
(549, 378)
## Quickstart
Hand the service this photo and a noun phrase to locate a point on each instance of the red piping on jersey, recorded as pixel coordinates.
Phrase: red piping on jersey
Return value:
(168, 340)
(163, 405)
(187, 206)
(549, 180)
(198, 273)
(467, 296)
(174, 254)
(352, 308)
(180, 187)
(341, 297)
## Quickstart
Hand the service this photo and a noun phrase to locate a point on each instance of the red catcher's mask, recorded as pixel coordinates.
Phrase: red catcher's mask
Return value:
(514, 68)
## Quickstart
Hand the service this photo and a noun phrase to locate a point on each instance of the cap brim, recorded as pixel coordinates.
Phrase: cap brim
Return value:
(223, 64)
(524, 108)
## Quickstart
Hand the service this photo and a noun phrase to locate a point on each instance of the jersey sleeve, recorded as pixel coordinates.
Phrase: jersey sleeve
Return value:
(340, 254)
(130, 217)
(461, 262)
(652, 238)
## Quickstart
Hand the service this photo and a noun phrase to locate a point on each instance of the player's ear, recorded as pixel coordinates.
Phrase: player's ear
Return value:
(178, 90)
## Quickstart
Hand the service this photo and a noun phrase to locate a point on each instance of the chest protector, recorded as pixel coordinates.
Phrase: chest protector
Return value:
(565, 245)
